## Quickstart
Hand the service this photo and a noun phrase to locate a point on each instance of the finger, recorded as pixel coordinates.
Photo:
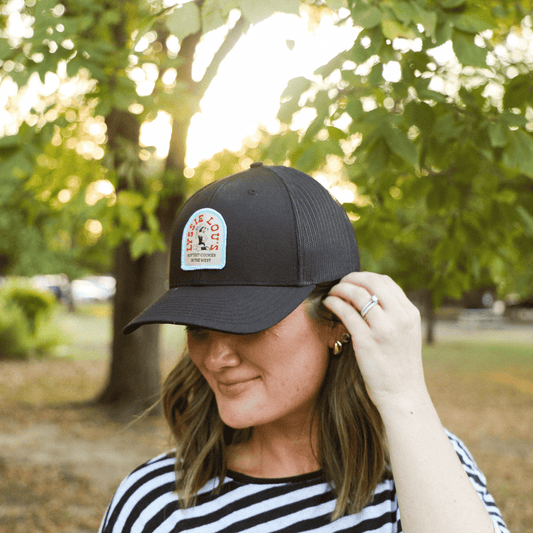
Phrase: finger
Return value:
(349, 316)
(387, 290)
(393, 301)
(356, 295)
(346, 314)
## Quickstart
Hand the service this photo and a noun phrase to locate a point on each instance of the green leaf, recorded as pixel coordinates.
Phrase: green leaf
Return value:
(295, 88)
(317, 124)
(446, 129)
(392, 29)
(519, 91)
(467, 52)
(213, 15)
(184, 20)
(403, 11)
(110, 17)
(309, 159)
(527, 219)
(335, 133)
(287, 110)
(497, 135)
(401, 145)
(20, 165)
(130, 218)
(96, 72)
(444, 33)
(500, 12)
(518, 153)
(513, 120)
(360, 54)
(336, 4)
(468, 98)
(5, 50)
(152, 223)
(421, 115)
(377, 157)
(355, 109)
(451, 4)
(130, 198)
(74, 65)
(141, 244)
(254, 11)
(376, 75)
(9, 141)
(424, 93)
(471, 22)
(428, 19)
(150, 205)
(366, 17)
(332, 65)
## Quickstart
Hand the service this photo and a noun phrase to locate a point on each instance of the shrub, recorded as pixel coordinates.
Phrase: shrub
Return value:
(23, 312)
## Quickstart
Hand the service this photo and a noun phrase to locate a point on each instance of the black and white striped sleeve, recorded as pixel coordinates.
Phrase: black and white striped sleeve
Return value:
(479, 482)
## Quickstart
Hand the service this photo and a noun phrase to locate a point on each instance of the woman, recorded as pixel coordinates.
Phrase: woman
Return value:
(300, 403)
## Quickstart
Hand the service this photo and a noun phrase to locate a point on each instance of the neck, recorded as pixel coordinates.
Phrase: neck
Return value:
(276, 451)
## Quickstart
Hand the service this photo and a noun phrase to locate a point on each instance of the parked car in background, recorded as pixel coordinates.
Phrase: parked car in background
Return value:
(93, 289)
(57, 284)
(88, 289)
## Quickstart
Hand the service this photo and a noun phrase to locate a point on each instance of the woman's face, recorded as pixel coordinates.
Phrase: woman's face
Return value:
(271, 376)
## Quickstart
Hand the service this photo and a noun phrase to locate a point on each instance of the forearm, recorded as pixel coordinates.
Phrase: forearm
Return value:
(434, 491)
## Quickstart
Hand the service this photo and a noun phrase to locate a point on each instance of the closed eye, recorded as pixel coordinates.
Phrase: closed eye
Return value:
(197, 332)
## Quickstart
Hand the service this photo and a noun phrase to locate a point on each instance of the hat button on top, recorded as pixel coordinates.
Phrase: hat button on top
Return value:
(256, 164)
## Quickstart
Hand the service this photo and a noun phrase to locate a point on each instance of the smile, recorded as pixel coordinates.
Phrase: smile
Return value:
(235, 388)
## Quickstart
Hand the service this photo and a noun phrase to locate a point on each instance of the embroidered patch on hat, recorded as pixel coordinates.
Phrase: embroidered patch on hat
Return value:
(203, 243)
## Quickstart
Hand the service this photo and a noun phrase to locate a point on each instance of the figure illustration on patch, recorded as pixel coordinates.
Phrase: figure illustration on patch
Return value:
(201, 236)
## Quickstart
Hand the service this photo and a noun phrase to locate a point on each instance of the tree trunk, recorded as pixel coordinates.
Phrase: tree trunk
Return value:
(134, 378)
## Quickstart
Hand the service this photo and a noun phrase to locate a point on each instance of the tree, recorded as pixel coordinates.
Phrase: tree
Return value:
(102, 47)
(430, 115)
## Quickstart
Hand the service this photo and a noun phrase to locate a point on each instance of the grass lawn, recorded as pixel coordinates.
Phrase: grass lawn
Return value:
(86, 334)
(479, 355)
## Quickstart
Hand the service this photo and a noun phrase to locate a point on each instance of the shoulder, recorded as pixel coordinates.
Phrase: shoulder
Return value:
(147, 491)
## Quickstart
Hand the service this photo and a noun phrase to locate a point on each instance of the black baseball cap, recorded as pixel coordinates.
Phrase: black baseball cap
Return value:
(248, 249)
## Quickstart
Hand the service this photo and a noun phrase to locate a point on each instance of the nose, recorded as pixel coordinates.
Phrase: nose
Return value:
(220, 352)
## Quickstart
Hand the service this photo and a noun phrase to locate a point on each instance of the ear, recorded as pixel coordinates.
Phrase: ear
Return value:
(335, 333)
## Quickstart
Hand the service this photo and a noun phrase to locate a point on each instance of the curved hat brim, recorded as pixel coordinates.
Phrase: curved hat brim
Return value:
(226, 308)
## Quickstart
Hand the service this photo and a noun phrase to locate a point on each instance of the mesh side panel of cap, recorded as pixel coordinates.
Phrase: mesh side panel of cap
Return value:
(326, 241)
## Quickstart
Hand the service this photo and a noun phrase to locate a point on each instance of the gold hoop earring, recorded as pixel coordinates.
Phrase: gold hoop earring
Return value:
(345, 338)
(337, 348)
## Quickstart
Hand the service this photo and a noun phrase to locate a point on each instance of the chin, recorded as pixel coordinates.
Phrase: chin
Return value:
(236, 421)
(237, 425)
(238, 417)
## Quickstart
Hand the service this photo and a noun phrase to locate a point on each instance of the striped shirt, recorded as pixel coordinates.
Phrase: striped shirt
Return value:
(145, 503)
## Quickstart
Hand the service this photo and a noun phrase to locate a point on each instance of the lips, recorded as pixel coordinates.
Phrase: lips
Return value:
(234, 388)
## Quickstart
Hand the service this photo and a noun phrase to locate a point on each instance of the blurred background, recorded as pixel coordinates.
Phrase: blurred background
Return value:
(417, 115)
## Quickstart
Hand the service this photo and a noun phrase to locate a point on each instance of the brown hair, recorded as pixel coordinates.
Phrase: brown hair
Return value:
(351, 438)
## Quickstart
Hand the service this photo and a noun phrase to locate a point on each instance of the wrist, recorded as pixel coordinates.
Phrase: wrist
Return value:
(407, 403)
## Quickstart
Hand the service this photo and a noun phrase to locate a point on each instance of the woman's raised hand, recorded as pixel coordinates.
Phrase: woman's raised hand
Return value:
(387, 342)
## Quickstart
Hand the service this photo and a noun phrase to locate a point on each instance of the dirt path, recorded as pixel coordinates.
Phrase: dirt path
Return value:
(104, 462)
(59, 466)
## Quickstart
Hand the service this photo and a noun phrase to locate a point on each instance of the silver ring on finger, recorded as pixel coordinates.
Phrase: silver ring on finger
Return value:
(371, 303)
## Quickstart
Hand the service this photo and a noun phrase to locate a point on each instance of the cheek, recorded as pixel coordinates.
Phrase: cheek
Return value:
(195, 353)
(197, 359)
